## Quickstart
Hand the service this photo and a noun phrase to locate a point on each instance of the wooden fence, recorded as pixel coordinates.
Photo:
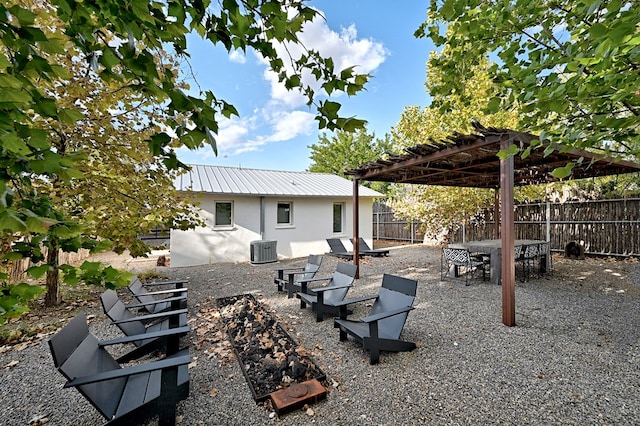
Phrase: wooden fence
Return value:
(603, 227)
(387, 227)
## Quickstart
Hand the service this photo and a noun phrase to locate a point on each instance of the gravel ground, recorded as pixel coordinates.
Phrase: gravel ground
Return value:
(572, 359)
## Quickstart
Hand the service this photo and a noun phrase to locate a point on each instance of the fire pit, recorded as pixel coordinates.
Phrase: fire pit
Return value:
(269, 357)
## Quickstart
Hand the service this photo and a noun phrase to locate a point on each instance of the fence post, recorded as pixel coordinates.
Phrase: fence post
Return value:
(549, 224)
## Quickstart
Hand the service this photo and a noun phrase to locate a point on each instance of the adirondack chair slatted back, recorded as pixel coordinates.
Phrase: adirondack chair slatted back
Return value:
(344, 275)
(336, 245)
(396, 292)
(76, 353)
(141, 294)
(312, 266)
(116, 310)
(362, 245)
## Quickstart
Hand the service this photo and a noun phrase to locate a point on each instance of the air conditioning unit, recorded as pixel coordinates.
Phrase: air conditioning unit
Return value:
(264, 251)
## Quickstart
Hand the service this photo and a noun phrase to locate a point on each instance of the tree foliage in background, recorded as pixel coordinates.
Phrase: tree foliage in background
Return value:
(443, 209)
(343, 151)
(119, 42)
(571, 67)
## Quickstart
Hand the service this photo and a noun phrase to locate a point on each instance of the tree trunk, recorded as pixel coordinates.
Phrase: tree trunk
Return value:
(52, 297)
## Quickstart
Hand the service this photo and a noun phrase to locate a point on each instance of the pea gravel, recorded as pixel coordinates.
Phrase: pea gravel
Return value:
(572, 359)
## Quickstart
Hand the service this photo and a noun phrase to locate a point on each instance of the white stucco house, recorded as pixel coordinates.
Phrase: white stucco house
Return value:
(263, 215)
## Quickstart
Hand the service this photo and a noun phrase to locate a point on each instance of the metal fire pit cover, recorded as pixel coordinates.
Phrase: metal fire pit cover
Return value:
(297, 395)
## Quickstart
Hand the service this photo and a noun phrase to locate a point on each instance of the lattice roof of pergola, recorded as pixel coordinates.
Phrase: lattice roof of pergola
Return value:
(472, 161)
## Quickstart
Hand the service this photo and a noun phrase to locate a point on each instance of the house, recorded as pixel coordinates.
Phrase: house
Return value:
(262, 215)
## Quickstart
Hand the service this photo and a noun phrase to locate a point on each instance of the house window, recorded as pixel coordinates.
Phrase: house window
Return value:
(338, 219)
(284, 213)
(223, 214)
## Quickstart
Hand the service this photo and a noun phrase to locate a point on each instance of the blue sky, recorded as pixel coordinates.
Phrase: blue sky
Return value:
(275, 127)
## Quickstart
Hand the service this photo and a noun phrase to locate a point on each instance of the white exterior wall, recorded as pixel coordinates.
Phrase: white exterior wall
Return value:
(312, 224)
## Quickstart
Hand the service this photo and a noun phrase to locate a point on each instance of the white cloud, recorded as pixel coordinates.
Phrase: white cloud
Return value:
(237, 56)
(344, 47)
(288, 125)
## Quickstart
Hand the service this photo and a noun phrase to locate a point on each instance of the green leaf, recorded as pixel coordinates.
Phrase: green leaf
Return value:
(562, 172)
(26, 291)
(70, 116)
(14, 96)
(24, 16)
(38, 271)
(91, 267)
(9, 221)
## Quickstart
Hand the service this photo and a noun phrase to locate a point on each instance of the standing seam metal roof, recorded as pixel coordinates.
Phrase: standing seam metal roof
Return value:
(239, 181)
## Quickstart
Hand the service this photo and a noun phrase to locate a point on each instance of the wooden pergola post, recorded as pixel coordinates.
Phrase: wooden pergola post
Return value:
(356, 227)
(496, 213)
(508, 237)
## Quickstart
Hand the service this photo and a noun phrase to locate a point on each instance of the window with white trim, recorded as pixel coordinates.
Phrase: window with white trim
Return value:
(223, 214)
(338, 217)
(285, 213)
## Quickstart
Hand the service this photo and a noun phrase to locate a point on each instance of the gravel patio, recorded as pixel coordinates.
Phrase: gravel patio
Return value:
(572, 359)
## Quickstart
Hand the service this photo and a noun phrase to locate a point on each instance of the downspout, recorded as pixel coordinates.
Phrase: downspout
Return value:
(262, 209)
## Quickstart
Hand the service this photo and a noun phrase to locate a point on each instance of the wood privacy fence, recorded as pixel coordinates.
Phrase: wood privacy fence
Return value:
(603, 227)
(17, 268)
(387, 227)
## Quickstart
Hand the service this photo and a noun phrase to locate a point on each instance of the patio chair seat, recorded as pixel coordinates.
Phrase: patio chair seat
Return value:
(324, 300)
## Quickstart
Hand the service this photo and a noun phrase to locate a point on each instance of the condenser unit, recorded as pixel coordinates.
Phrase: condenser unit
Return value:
(264, 251)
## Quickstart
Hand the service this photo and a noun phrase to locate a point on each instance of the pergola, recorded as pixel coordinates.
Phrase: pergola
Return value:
(472, 161)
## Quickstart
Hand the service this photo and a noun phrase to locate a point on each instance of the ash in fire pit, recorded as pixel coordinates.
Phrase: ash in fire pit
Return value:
(269, 357)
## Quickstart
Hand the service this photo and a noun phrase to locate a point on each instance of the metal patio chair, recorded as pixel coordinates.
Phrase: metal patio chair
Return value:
(458, 262)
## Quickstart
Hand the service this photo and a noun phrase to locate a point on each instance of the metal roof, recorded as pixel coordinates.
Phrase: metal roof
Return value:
(241, 181)
(472, 161)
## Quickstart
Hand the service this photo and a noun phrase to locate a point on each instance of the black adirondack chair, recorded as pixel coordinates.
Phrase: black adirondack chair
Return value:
(323, 300)
(163, 334)
(380, 330)
(177, 296)
(122, 395)
(291, 284)
(338, 249)
(365, 250)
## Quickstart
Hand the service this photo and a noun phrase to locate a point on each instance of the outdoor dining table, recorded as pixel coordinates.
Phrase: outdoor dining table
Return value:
(494, 249)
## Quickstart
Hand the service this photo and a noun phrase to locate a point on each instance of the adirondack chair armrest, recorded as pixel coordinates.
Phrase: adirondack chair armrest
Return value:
(177, 282)
(168, 362)
(332, 287)
(155, 302)
(168, 291)
(151, 335)
(347, 302)
(308, 280)
(299, 268)
(153, 316)
(386, 314)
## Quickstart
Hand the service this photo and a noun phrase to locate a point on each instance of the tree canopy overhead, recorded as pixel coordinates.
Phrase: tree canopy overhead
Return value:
(120, 43)
(572, 66)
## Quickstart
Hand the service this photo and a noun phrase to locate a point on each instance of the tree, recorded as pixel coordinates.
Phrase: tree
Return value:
(347, 150)
(445, 209)
(572, 67)
(119, 42)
